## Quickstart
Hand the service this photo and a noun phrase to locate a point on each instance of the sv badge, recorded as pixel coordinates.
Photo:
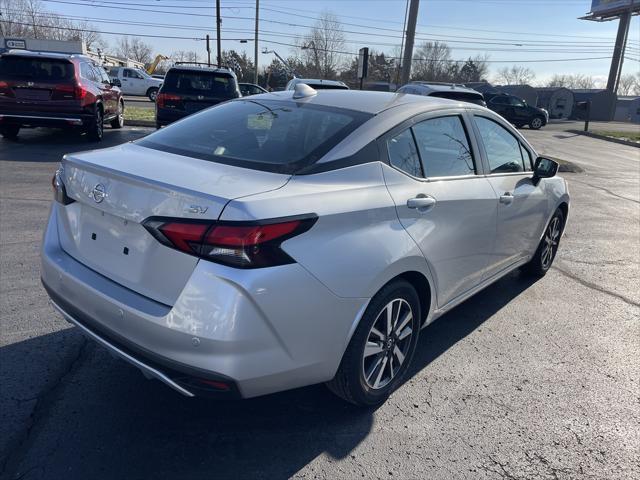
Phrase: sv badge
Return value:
(196, 209)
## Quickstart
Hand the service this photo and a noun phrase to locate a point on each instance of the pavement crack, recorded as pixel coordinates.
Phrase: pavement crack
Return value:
(595, 286)
(43, 403)
(607, 191)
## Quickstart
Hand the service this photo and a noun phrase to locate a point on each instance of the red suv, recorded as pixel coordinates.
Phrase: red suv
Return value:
(56, 90)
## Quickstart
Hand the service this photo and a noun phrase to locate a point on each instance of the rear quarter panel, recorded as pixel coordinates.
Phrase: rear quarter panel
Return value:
(357, 244)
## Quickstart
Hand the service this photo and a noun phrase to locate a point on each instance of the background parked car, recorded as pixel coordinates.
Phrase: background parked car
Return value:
(248, 89)
(517, 111)
(56, 90)
(190, 88)
(444, 90)
(136, 82)
(318, 84)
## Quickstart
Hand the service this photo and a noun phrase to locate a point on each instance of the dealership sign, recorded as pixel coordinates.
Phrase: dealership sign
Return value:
(10, 43)
(601, 7)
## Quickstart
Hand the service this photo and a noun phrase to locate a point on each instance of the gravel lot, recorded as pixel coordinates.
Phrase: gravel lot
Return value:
(527, 380)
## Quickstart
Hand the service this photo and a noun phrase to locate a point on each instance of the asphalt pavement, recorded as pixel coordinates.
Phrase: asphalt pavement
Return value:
(527, 380)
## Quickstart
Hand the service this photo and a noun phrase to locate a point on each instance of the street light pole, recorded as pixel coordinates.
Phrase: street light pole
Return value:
(255, 46)
(218, 22)
(408, 49)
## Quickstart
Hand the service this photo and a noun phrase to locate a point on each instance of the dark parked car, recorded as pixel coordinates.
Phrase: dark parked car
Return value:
(517, 111)
(56, 90)
(248, 89)
(190, 88)
(444, 90)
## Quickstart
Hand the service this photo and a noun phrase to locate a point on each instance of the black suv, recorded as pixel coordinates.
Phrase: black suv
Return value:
(189, 88)
(516, 110)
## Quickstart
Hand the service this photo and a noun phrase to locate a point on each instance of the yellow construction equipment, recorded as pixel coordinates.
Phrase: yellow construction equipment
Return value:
(154, 65)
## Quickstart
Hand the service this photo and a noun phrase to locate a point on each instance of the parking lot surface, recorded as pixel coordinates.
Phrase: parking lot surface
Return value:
(527, 380)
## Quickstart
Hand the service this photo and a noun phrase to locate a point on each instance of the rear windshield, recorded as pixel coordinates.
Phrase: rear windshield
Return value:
(36, 69)
(209, 84)
(275, 136)
(469, 97)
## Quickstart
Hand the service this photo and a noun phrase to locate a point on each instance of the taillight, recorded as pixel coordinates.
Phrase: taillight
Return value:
(4, 88)
(59, 190)
(163, 98)
(236, 244)
(80, 92)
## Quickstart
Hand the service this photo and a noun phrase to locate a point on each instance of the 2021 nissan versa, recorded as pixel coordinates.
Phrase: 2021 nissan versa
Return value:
(297, 237)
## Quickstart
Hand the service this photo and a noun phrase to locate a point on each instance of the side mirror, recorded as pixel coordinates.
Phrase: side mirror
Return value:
(116, 82)
(544, 168)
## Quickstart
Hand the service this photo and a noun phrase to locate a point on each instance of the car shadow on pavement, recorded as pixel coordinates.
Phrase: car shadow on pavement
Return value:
(104, 420)
(49, 145)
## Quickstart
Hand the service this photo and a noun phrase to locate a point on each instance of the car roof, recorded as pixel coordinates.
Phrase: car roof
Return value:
(196, 68)
(442, 87)
(366, 101)
(50, 55)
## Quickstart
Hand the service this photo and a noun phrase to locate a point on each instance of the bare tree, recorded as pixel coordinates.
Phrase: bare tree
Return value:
(432, 62)
(184, 56)
(28, 18)
(628, 84)
(134, 48)
(515, 75)
(575, 81)
(321, 47)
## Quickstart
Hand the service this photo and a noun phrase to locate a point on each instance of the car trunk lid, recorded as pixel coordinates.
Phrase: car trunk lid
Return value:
(116, 189)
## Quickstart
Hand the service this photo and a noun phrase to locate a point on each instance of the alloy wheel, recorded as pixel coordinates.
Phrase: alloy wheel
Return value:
(536, 123)
(388, 344)
(551, 239)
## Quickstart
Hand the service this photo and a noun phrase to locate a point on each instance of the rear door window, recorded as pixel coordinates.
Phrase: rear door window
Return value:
(444, 147)
(208, 84)
(35, 69)
(87, 72)
(403, 153)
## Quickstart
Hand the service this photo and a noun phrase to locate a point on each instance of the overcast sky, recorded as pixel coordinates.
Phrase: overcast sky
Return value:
(511, 30)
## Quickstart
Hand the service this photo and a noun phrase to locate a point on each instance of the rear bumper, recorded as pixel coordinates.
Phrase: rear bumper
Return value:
(38, 119)
(257, 331)
(165, 116)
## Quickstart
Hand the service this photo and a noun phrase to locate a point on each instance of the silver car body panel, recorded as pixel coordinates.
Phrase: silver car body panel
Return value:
(271, 329)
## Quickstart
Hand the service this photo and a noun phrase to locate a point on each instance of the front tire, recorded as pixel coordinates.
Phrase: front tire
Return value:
(10, 132)
(118, 122)
(548, 248)
(152, 93)
(536, 123)
(380, 351)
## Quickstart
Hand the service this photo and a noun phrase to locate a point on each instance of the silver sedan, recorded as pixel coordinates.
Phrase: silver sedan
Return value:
(294, 238)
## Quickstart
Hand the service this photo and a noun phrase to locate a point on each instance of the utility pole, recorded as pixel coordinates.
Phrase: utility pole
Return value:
(208, 52)
(618, 52)
(408, 49)
(255, 44)
(218, 23)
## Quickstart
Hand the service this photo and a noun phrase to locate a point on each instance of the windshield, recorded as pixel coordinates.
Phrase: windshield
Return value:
(275, 136)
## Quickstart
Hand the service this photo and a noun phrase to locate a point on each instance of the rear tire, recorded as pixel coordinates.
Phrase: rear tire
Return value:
(96, 129)
(118, 122)
(152, 93)
(10, 132)
(536, 123)
(366, 376)
(548, 248)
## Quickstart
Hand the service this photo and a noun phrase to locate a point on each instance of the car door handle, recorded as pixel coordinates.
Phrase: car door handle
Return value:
(506, 198)
(422, 203)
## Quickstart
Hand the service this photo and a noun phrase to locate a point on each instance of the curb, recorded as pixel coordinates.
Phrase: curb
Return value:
(605, 138)
(139, 123)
